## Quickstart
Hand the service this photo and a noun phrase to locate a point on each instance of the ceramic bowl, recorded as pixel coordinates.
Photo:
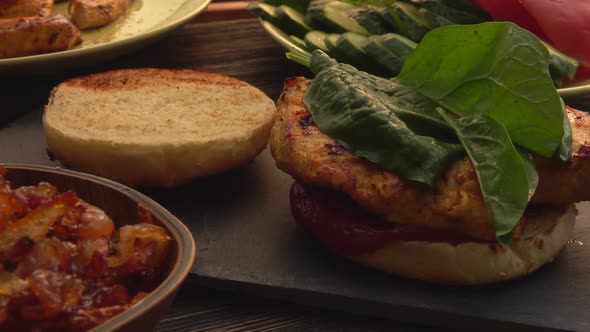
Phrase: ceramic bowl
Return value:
(120, 203)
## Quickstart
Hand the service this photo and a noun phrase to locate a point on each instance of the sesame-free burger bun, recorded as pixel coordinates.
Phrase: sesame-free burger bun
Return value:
(156, 127)
(435, 255)
(472, 263)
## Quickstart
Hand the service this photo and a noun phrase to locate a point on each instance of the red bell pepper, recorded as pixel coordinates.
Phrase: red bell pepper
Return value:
(565, 24)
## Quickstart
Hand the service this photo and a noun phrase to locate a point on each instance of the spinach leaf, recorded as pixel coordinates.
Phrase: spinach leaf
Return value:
(320, 60)
(495, 68)
(364, 114)
(531, 171)
(418, 112)
(565, 150)
(561, 66)
(506, 179)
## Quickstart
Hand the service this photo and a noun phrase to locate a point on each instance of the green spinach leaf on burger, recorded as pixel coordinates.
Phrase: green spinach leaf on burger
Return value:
(483, 90)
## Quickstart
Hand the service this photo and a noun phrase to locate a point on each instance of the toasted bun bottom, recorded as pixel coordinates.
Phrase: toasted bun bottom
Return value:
(470, 263)
(156, 127)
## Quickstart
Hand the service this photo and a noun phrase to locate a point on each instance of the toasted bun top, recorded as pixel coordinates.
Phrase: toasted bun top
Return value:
(156, 127)
(157, 106)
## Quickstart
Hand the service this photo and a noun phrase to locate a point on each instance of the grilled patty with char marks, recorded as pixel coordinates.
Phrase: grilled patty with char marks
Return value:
(36, 34)
(454, 203)
(87, 14)
(23, 8)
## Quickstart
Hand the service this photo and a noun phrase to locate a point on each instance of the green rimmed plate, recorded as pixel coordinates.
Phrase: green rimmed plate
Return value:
(144, 22)
(577, 90)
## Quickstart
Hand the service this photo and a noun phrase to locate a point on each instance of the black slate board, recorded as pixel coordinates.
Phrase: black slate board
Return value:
(248, 242)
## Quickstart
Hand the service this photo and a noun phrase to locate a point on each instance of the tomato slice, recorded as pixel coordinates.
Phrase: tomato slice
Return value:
(348, 230)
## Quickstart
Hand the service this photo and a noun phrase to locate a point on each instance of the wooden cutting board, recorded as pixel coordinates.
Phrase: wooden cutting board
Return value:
(246, 237)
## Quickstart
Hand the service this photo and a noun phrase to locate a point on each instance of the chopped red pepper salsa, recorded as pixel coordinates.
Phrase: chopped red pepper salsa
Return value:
(64, 266)
(348, 230)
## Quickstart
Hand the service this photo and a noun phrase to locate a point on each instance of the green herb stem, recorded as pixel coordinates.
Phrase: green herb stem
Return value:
(299, 57)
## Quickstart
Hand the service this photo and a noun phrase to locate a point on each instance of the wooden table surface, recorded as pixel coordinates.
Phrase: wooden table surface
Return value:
(210, 43)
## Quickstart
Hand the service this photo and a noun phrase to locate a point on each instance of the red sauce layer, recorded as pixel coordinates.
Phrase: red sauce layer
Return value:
(348, 230)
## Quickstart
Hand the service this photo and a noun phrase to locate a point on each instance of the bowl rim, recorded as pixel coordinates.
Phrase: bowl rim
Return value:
(186, 244)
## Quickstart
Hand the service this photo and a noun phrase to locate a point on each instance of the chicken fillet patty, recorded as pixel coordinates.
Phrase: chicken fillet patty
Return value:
(23, 8)
(36, 34)
(87, 14)
(454, 203)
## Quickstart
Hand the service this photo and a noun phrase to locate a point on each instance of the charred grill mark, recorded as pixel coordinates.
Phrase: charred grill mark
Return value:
(21, 22)
(283, 97)
(392, 182)
(349, 179)
(288, 130)
(584, 151)
(53, 38)
(289, 83)
(301, 113)
(353, 179)
(305, 120)
(105, 11)
(334, 149)
(580, 156)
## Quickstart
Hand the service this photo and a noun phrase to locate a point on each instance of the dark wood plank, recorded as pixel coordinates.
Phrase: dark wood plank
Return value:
(198, 309)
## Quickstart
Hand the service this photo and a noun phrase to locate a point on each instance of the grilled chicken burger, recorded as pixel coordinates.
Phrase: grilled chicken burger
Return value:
(464, 169)
(441, 233)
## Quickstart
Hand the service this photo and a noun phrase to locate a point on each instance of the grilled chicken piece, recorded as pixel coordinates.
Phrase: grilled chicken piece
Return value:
(562, 183)
(88, 14)
(454, 203)
(23, 8)
(34, 35)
